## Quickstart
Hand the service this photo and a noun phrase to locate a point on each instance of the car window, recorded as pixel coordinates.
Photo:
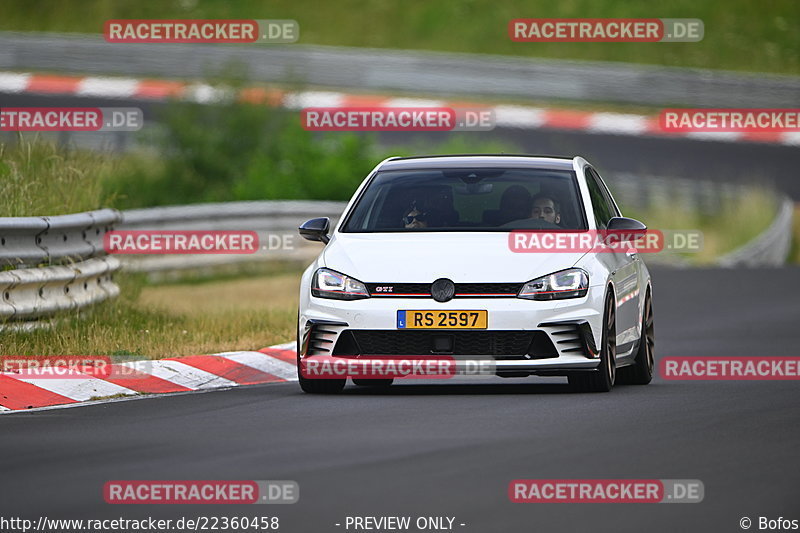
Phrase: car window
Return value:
(606, 193)
(601, 203)
(464, 199)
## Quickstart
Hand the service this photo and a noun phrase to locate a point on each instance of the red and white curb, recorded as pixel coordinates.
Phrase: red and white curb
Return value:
(160, 376)
(507, 116)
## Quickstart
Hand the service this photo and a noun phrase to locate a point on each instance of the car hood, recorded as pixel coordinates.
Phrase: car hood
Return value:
(425, 257)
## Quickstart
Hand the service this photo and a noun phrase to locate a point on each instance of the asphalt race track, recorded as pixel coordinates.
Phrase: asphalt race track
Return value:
(451, 449)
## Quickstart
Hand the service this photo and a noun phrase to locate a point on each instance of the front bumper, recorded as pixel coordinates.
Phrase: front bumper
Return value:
(571, 329)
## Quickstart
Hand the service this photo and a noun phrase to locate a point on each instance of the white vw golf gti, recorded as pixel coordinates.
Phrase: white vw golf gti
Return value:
(422, 264)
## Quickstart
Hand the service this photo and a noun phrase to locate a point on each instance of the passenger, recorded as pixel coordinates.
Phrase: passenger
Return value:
(546, 208)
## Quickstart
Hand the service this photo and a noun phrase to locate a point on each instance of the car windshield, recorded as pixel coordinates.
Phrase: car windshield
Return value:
(468, 200)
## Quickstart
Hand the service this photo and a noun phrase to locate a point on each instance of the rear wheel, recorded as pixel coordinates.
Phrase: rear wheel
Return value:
(641, 371)
(601, 380)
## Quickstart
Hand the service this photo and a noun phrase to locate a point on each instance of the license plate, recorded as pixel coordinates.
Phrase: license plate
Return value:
(442, 319)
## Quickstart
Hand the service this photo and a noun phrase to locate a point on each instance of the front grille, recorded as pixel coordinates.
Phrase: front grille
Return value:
(489, 289)
(463, 290)
(501, 344)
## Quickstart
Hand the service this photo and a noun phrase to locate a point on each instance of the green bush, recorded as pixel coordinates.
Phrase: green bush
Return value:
(238, 151)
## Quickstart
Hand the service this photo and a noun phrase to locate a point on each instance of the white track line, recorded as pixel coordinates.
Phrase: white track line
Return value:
(80, 387)
(714, 135)
(285, 346)
(414, 102)
(181, 374)
(791, 137)
(515, 116)
(617, 123)
(313, 99)
(202, 93)
(264, 363)
(108, 87)
(13, 83)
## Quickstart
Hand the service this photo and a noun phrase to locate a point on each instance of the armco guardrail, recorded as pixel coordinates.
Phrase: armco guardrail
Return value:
(646, 192)
(31, 241)
(275, 222)
(34, 293)
(771, 248)
(404, 70)
(56, 263)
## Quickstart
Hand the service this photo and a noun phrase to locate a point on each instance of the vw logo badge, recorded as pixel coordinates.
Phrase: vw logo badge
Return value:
(443, 290)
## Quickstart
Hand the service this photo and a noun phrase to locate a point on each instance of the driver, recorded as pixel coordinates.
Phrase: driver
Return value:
(433, 210)
(546, 208)
(415, 218)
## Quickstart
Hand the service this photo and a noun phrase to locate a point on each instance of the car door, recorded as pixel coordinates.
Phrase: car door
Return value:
(624, 265)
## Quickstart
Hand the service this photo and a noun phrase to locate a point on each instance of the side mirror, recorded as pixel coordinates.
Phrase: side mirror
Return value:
(625, 229)
(625, 224)
(316, 229)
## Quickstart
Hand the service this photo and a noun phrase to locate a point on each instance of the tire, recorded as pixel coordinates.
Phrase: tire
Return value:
(316, 386)
(319, 386)
(601, 380)
(641, 371)
(373, 382)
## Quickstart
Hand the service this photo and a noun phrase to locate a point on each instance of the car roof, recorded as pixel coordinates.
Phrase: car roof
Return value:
(479, 161)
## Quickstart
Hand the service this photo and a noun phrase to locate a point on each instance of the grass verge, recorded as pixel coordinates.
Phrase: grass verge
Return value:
(38, 179)
(172, 320)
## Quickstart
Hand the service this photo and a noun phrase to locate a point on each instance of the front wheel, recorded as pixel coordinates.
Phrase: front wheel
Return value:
(641, 371)
(602, 379)
(315, 386)
(318, 386)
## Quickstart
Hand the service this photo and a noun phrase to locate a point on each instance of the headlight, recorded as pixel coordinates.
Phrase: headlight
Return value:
(335, 285)
(570, 283)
